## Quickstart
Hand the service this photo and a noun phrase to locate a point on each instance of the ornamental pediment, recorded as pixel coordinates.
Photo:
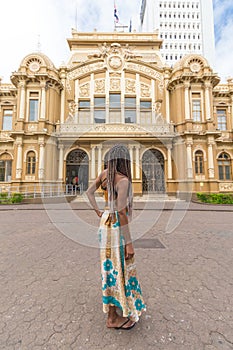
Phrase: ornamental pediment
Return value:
(115, 62)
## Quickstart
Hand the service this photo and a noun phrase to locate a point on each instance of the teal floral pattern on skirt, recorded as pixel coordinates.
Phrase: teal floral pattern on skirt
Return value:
(120, 284)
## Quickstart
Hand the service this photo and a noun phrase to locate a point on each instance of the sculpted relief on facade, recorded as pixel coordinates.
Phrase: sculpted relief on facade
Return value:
(99, 86)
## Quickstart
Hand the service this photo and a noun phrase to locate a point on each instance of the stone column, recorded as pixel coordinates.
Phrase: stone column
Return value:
(76, 92)
(137, 162)
(153, 103)
(232, 111)
(63, 82)
(167, 102)
(131, 160)
(92, 92)
(138, 94)
(43, 101)
(107, 88)
(169, 162)
(122, 84)
(22, 100)
(93, 162)
(189, 159)
(99, 158)
(19, 158)
(210, 158)
(41, 173)
(186, 100)
(61, 162)
(207, 100)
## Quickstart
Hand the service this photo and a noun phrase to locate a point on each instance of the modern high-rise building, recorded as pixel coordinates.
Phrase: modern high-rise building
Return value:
(185, 26)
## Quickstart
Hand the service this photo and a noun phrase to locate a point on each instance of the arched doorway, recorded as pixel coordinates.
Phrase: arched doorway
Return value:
(77, 164)
(153, 172)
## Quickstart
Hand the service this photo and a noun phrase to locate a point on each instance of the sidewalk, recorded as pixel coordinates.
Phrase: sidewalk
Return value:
(51, 290)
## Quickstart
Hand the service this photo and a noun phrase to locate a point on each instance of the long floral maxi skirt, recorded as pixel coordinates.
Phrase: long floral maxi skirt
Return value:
(120, 284)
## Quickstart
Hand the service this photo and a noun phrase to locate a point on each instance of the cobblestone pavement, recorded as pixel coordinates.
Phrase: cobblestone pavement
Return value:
(51, 290)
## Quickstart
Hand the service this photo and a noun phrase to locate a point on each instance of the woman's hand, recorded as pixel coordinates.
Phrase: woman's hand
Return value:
(129, 251)
(99, 213)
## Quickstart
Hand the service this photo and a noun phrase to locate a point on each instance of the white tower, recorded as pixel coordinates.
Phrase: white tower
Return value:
(185, 26)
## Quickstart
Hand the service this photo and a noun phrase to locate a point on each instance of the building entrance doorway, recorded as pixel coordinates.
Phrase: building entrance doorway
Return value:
(77, 164)
(153, 172)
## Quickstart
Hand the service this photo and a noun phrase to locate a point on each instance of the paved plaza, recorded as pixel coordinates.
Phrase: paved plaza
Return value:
(51, 289)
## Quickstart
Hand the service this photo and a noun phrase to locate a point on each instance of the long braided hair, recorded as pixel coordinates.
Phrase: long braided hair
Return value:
(119, 162)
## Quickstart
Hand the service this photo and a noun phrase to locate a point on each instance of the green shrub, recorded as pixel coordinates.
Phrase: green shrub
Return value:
(16, 198)
(216, 198)
(5, 198)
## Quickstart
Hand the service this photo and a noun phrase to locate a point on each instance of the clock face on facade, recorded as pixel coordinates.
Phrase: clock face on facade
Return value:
(34, 66)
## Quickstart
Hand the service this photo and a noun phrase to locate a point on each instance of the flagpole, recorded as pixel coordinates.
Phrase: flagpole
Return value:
(114, 6)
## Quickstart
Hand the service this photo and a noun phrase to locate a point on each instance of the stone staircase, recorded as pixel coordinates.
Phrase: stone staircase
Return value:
(154, 197)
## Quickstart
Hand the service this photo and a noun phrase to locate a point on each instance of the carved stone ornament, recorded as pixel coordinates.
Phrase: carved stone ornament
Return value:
(100, 86)
(32, 127)
(195, 67)
(145, 90)
(226, 187)
(34, 66)
(5, 135)
(130, 86)
(115, 84)
(84, 90)
(115, 62)
(18, 173)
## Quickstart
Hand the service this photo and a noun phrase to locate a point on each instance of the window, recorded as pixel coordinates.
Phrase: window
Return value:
(115, 108)
(5, 167)
(115, 101)
(99, 109)
(130, 109)
(145, 112)
(196, 107)
(222, 119)
(7, 119)
(85, 104)
(31, 163)
(33, 106)
(224, 167)
(199, 164)
(84, 112)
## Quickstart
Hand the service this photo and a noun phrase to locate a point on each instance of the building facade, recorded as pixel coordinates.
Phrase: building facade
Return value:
(185, 26)
(57, 123)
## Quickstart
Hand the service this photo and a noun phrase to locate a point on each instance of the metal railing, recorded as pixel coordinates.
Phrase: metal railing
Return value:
(41, 190)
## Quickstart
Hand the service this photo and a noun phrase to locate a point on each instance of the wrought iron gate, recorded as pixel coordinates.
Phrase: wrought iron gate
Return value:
(153, 172)
(77, 164)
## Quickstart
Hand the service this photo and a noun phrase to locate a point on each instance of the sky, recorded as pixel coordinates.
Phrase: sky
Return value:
(30, 26)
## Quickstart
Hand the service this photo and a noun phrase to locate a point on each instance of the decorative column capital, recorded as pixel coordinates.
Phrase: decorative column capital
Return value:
(43, 84)
(22, 84)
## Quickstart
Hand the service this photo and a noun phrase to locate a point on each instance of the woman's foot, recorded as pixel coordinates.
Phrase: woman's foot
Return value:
(120, 322)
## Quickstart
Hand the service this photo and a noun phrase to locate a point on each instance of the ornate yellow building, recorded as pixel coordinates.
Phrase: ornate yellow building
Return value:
(177, 122)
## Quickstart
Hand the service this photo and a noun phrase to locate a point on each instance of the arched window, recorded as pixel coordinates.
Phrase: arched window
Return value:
(199, 163)
(224, 166)
(5, 167)
(31, 163)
